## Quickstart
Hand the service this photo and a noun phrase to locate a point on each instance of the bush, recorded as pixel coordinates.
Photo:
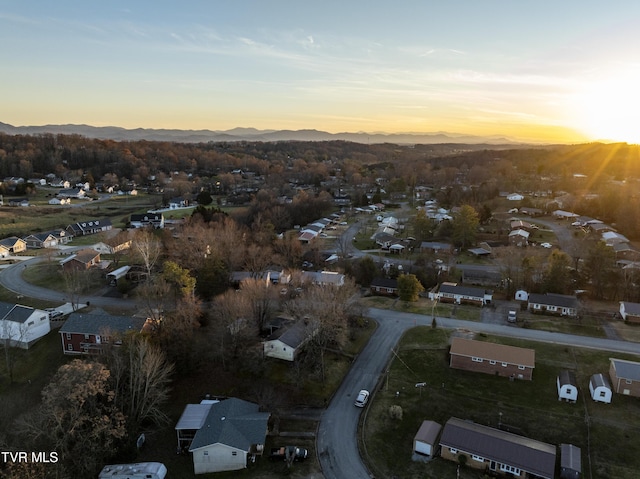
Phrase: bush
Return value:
(395, 412)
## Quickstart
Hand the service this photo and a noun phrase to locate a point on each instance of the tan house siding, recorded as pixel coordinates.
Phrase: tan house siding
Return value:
(492, 358)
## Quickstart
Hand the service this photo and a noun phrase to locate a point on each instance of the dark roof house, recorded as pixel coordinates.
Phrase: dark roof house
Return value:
(497, 450)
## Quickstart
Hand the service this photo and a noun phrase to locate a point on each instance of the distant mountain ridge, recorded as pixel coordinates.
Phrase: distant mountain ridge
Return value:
(251, 134)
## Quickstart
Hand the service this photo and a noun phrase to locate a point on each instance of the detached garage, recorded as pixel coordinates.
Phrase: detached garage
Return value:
(425, 441)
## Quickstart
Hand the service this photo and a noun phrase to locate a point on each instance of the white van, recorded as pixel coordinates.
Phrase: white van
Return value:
(511, 317)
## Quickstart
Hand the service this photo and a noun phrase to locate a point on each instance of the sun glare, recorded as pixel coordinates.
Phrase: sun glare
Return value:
(609, 108)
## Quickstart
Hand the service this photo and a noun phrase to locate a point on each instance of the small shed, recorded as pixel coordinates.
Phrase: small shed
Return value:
(600, 388)
(522, 295)
(570, 461)
(425, 442)
(567, 386)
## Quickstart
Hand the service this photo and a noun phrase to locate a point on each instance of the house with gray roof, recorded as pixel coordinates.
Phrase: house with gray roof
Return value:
(87, 333)
(550, 303)
(458, 294)
(287, 341)
(498, 451)
(90, 227)
(630, 312)
(22, 325)
(232, 433)
(625, 376)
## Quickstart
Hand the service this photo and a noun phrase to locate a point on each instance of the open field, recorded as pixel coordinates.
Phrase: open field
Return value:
(529, 408)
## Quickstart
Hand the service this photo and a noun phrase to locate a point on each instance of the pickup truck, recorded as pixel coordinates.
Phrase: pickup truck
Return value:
(289, 453)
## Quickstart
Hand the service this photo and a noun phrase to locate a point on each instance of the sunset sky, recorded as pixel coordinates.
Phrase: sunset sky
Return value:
(561, 71)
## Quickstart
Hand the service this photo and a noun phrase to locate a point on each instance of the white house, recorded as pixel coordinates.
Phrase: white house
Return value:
(515, 197)
(600, 388)
(22, 325)
(232, 433)
(567, 386)
(286, 342)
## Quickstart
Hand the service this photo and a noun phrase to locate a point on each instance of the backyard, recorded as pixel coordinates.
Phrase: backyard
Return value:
(529, 408)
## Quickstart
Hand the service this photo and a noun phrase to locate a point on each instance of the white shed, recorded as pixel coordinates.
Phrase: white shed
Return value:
(426, 439)
(522, 295)
(139, 470)
(567, 386)
(600, 388)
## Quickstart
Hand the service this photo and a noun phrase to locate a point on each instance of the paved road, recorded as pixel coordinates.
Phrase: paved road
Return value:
(11, 278)
(337, 432)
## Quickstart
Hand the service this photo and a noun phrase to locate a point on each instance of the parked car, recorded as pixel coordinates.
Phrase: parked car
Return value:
(546, 245)
(511, 316)
(362, 399)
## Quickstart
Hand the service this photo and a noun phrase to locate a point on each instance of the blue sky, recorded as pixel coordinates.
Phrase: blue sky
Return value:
(553, 71)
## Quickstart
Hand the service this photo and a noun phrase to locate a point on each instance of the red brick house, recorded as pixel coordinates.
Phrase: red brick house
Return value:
(81, 260)
(492, 358)
(625, 377)
(88, 333)
(384, 286)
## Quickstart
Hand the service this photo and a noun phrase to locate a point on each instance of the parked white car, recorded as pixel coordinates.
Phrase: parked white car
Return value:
(362, 399)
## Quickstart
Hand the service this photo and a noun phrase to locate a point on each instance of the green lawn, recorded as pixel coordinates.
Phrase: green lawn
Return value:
(530, 408)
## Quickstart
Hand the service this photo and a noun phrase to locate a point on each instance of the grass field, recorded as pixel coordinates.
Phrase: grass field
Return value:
(529, 408)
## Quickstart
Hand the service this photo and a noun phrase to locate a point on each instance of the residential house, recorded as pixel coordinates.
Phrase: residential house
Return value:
(322, 278)
(287, 341)
(549, 303)
(384, 286)
(89, 227)
(611, 238)
(4, 251)
(21, 325)
(144, 220)
(178, 202)
(600, 388)
(515, 197)
(525, 210)
(458, 294)
(236, 278)
(519, 237)
(481, 277)
(630, 312)
(60, 201)
(233, 432)
(41, 240)
(88, 333)
(59, 183)
(77, 193)
(498, 451)
(567, 386)
(436, 247)
(14, 244)
(425, 442)
(570, 462)
(521, 225)
(492, 358)
(82, 260)
(19, 202)
(625, 376)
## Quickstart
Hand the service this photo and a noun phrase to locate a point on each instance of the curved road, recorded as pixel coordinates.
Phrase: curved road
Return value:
(11, 279)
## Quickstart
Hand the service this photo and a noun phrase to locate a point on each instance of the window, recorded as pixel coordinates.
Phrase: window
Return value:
(492, 362)
(234, 453)
(70, 347)
(521, 368)
(31, 323)
(205, 453)
(477, 458)
(453, 450)
(628, 381)
(504, 365)
(476, 360)
(86, 336)
(513, 470)
(603, 394)
(68, 335)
